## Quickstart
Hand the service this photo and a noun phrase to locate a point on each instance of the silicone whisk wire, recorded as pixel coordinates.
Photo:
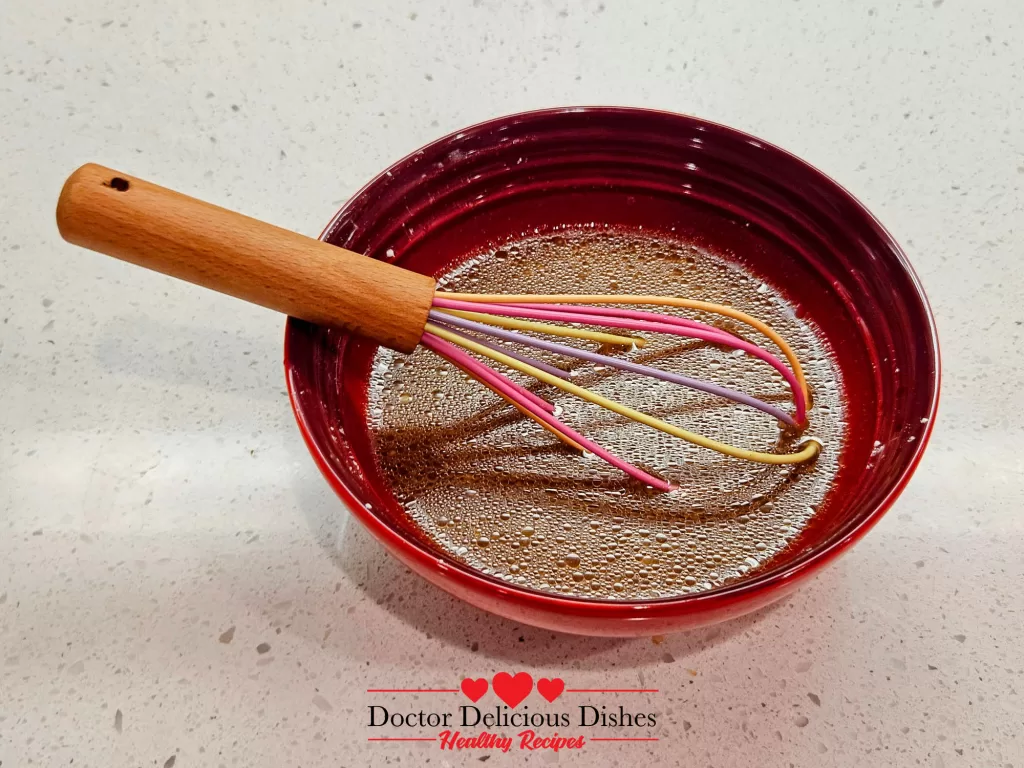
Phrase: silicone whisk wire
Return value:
(448, 350)
(496, 327)
(511, 353)
(613, 362)
(643, 300)
(640, 321)
(809, 451)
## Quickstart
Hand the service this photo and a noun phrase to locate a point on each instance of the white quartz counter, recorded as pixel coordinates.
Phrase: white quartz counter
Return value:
(178, 586)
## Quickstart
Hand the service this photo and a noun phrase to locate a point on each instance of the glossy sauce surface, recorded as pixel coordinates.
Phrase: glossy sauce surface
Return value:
(505, 497)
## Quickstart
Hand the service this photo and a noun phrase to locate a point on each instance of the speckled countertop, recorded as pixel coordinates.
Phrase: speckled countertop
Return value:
(178, 586)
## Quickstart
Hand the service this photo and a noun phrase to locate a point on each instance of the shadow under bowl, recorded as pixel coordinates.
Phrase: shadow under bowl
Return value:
(710, 185)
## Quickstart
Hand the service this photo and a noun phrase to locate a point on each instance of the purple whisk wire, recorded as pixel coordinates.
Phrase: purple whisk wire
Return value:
(636, 320)
(505, 350)
(612, 362)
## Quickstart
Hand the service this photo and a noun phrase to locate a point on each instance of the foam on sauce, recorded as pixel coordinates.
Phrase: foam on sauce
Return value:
(505, 497)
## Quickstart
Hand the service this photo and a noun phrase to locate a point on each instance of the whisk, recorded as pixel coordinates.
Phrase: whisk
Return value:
(154, 227)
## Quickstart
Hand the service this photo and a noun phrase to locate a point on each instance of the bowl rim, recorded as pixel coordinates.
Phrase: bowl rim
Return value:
(442, 572)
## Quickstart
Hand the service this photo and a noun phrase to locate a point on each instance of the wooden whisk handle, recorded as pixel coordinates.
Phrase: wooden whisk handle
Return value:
(154, 227)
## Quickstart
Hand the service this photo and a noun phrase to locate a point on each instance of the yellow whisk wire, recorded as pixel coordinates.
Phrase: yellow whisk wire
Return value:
(512, 323)
(665, 301)
(807, 452)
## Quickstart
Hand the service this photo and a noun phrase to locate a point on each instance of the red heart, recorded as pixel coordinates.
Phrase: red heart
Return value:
(474, 689)
(512, 690)
(550, 689)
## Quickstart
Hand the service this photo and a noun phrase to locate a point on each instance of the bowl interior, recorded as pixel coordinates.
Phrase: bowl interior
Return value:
(631, 169)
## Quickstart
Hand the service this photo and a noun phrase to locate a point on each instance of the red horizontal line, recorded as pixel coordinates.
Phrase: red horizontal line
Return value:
(611, 690)
(416, 739)
(412, 690)
(624, 739)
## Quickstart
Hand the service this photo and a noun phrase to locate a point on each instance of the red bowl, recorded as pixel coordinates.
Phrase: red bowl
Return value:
(630, 168)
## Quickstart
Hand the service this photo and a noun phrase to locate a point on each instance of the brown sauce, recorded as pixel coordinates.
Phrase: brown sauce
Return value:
(502, 495)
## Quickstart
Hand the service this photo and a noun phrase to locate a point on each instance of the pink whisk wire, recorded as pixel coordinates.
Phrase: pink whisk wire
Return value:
(462, 360)
(635, 320)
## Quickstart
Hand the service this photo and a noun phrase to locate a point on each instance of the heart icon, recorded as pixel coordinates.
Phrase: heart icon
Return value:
(550, 689)
(474, 689)
(512, 690)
